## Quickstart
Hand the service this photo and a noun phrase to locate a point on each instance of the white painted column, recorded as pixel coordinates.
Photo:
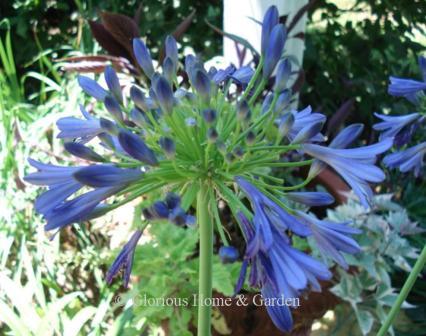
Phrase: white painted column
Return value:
(236, 20)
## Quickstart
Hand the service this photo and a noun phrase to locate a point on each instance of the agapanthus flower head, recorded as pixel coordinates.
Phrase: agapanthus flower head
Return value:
(408, 159)
(391, 126)
(175, 144)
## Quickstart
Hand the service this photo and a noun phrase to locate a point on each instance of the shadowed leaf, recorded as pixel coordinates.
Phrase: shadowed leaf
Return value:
(300, 14)
(299, 82)
(96, 64)
(106, 40)
(340, 116)
(122, 28)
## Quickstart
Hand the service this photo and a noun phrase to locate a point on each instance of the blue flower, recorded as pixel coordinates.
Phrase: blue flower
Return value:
(391, 126)
(75, 128)
(408, 88)
(143, 57)
(170, 210)
(83, 152)
(282, 76)
(136, 148)
(270, 20)
(408, 159)
(355, 165)
(228, 254)
(268, 214)
(106, 175)
(92, 88)
(163, 94)
(280, 271)
(311, 198)
(332, 238)
(274, 50)
(124, 260)
(243, 75)
(113, 83)
(77, 209)
(305, 121)
(58, 179)
(172, 50)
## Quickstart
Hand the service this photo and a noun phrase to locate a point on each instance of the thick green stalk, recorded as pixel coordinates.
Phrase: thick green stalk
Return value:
(205, 227)
(404, 292)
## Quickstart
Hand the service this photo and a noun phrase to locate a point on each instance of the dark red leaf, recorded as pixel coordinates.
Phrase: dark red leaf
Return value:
(183, 26)
(106, 40)
(300, 14)
(122, 28)
(299, 82)
(338, 118)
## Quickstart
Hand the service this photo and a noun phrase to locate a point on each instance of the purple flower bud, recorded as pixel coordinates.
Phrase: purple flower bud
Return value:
(238, 151)
(138, 117)
(212, 135)
(229, 157)
(311, 198)
(221, 146)
(270, 20)
(169, 147)
(172, 200)
(138, 98)
(143, 57)
(282, 101)
(81, 151)
(136, 148)
(113, 83)
(169, 70)
(228, 254)
(266, 104)
(108, 126)
(285, 124)
(164, 94)
(172, 50)
(92, 88)
(282, 76)
(98, 176)
(113, 107)
(243, 110)
(274, 50)
(202, 84)
(250, 138)
(209, 115)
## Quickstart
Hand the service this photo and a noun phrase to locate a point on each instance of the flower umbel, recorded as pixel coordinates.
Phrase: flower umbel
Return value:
(193, 143)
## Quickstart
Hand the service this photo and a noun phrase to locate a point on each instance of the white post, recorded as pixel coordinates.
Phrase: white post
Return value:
(236, 20)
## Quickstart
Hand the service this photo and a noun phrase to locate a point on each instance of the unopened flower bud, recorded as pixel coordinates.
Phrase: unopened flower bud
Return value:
(169, 147)
(209, 115)
(243, 110)
(250, 138)
(282, 76)
(228, 254)
(212, 135)
(285, 124)
(113, 107)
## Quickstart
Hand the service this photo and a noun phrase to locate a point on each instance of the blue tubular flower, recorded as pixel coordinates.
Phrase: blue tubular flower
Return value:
(355, 165)
(172, 50)
(268, 214)
(309, 132)
(136, 148)
(60, 182)
(92, 88)
(113, 83)
(201, 83)
(391, 126)
(83, 152)
(270, 20)
(78, 209)
(228, 254)
(280, 271)
(311, 198)
(169, 146)
(333, 238)
(243, 75)
(113, 107)
(223, 75)
(408, 159)
(274, 50)
(282, 76)
(169, 70)
(75, 128)
(164, 94)
(98, 176)
(303, 120)
(143, 57)
(124, 260)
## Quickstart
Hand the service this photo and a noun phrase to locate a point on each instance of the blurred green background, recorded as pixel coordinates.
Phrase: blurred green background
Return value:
(351, 49)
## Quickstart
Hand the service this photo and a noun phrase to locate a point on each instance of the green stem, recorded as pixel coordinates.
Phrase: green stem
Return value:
(253, 79)
(205, 227)
(404, 292)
